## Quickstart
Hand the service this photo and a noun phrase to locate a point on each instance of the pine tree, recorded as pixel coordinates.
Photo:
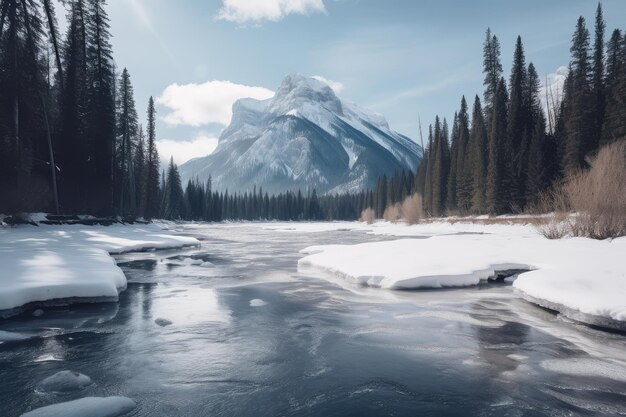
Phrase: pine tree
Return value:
(139, 166)
(151, 196)
(451, 202)
(598, 86)
(492, 68)
(496, 195)
(478, 153)
(537, 177)
(125, 145)
(517, 126)
(71, 141)
(463, 166)
(578, 103)
(173, 195)
(101, 108)
(614, 124)
(439, 171)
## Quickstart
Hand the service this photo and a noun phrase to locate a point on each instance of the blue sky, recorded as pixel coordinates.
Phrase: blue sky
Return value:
(401, 58)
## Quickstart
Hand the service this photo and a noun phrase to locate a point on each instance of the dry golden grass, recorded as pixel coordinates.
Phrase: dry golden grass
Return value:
(412, 209)
(393, 213)
(368, 216)
(597, 196)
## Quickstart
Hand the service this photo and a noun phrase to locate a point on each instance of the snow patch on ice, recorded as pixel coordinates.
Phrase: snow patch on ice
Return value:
(65, 381)
(587, 367)
(11, 336)
(88, 406)
(257, 303)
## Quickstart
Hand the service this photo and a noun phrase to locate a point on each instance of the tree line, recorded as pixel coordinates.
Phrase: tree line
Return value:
(198, 201)
(503, 155)
(70, 141)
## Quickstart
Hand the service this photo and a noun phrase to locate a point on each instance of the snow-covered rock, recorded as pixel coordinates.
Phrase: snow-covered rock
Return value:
(89, 406)
(584, 279)
(65, 381)
(303, 137)
(71, 262)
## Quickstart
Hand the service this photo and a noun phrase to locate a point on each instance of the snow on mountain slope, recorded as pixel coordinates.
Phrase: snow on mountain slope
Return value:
(304, 137)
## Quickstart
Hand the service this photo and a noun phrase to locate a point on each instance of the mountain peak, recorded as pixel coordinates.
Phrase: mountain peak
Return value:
(298, 91)
(304, 137)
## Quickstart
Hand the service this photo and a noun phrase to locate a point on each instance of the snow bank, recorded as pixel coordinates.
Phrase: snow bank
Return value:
(89, 406)
(401, 229)
(65, 262)
(584, 279)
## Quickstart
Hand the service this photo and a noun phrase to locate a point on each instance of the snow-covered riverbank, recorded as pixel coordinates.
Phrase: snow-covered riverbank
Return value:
(43, 263)
(584, 279)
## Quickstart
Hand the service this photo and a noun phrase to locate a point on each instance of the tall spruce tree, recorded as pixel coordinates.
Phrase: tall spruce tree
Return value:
(139, 167)
(126, 145)
(71, 140)
(439, 171)
(599, 91)
(578, 103)
(517, 126)
(614, 124)
(537, 165)
(478, 153)
(151, 196)
(173, 196)
(492, 68)
(497, 199)
(463, 166)
(451, 202)
(101, 108)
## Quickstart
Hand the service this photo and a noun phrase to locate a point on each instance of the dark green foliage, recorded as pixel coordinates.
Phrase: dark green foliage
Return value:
(497, 200)
(614, 126)
(599, 90)
(100, 109)
(536, 167)
(440, 167)
(126, 145)
(517, 129)
(173, 196)
(492, 68)
(451, 201)
(478, 154)
(578, 110)
(463, 162)
(151, 206)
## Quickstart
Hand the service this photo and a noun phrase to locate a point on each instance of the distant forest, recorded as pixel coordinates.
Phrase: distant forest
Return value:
(71, 141)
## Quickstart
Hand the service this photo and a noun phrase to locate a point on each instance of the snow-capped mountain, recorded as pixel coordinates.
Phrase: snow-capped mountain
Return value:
(304, 137)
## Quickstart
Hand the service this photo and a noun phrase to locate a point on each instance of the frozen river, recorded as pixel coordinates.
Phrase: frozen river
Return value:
(232, 329)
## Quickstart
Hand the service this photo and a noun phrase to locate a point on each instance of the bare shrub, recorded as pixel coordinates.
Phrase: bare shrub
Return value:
(597, 196)
(368, 216)
(393, 213)
(412, 209)
(557, 228)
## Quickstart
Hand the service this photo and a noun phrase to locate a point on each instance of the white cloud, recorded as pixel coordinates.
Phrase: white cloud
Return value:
(242, 11)
(183, 151)
(335, 85)
(210, 102)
